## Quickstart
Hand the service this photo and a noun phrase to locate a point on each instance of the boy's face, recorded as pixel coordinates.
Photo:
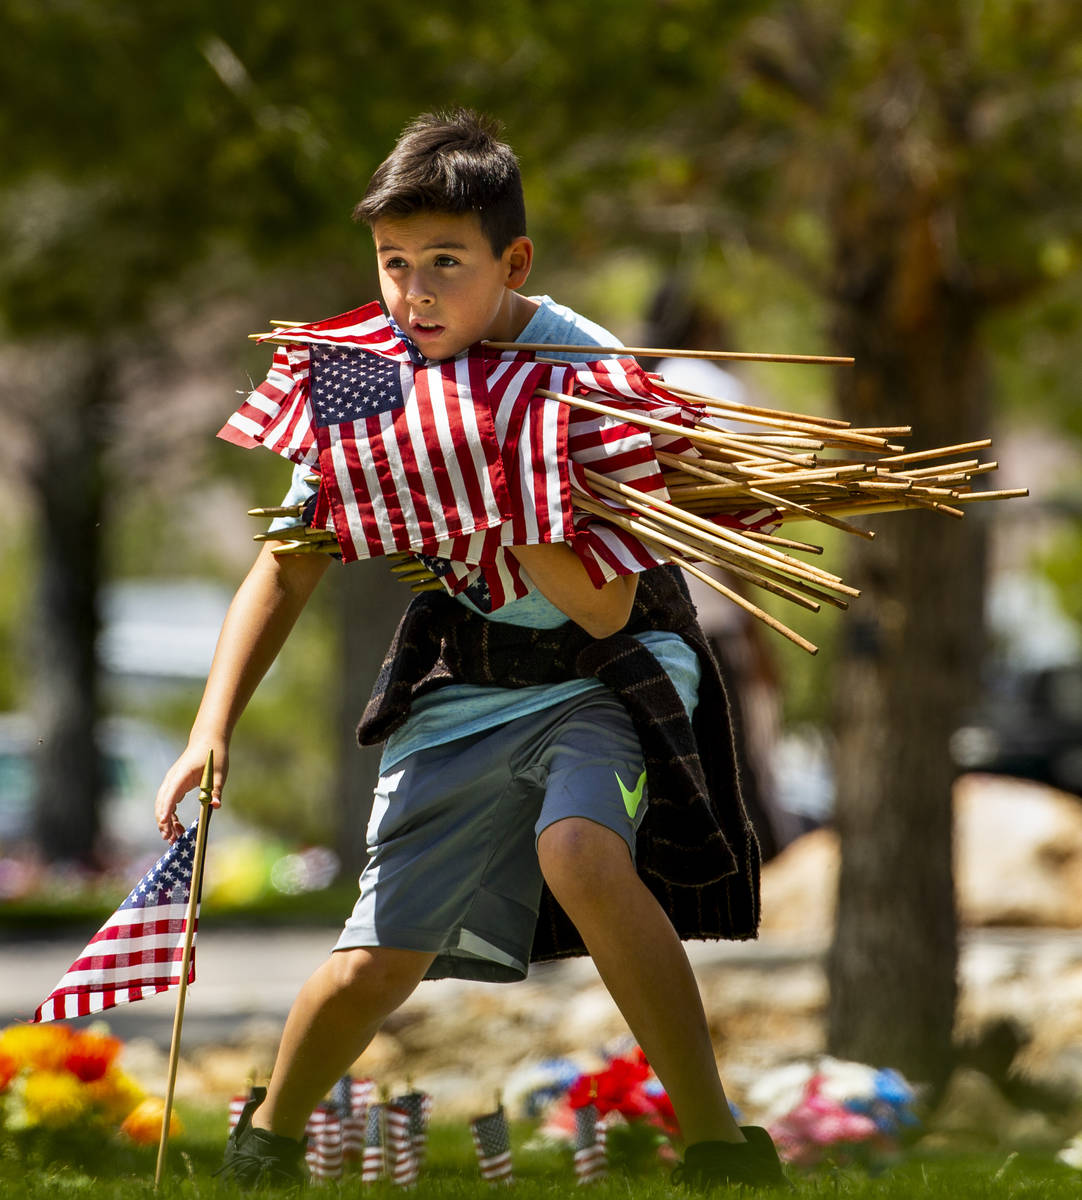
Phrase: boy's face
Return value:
(444, 286)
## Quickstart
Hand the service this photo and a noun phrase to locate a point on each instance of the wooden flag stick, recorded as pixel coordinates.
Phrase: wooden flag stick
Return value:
(707, 437)
(706, 531)
(278, 510)
(938, 452)
(665, 545)
(747, 606)
(206, 786)
(857, 438)
(774, 414)
(655, 352)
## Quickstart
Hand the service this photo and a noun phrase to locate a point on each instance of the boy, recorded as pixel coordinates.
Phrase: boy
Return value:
(492, 800)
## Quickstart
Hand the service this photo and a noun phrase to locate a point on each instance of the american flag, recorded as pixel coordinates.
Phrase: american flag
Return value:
(140, 949)
(591, 1158)
(323, 1153)
(419, 1106)
(460, 459)
(351, 1098)
(403, 1161)
(374, 1160)
(492, 1141)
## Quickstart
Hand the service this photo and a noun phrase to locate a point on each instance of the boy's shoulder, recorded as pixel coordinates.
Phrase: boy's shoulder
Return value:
(561, 325)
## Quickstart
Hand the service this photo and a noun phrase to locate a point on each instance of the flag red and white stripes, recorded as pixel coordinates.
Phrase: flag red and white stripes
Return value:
(591, 1155)
(492, 1142)
(357, 1096)
(324, 1151)
(236, 1107)
(374, 1159)
(419, 1106)
(460, 459)
(139, 951)
(400, 1153)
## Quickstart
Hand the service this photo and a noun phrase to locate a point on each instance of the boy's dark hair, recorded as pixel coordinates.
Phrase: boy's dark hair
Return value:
(452, 163)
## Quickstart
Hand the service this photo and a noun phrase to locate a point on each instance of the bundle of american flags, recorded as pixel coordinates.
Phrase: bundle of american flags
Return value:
(459, 460)
(139, 951)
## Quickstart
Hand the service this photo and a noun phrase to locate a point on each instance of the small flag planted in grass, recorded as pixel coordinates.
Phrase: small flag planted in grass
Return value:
(419, 1106)
(324, 1153)
(591, 1157)
(403, 1163)
(374, 1161)
(236, 1107)
(492, 1141)
(351, 1098)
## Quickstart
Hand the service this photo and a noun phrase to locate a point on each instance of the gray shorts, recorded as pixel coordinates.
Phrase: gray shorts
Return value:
(452, 839)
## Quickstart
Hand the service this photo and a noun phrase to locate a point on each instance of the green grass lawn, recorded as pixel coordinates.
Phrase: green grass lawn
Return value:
(107, 1169)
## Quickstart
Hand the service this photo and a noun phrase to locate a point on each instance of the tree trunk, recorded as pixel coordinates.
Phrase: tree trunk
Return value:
(909, 664)
(67, 477)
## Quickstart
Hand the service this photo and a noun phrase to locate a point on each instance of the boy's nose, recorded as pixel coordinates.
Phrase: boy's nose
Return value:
(418, 291)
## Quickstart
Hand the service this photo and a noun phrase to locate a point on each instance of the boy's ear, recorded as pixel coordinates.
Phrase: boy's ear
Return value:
(518, 258)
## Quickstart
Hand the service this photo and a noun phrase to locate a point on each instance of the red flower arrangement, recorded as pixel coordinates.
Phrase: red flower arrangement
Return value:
(627, 1086)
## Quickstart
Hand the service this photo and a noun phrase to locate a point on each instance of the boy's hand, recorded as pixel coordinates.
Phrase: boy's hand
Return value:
(184, 775)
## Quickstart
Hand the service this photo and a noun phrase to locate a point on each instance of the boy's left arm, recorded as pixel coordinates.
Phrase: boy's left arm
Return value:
(558, 573)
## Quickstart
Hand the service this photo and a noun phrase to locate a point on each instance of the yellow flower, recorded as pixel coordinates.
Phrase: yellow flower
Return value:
(114, 1095)
(53, 1098)
(144, 1123)
(40, 1046)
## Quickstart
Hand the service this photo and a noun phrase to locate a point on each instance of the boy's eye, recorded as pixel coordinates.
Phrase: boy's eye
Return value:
(446, 260)
(394, 264)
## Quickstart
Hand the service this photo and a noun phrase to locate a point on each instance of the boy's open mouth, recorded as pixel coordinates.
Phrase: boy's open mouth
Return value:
(425, 327)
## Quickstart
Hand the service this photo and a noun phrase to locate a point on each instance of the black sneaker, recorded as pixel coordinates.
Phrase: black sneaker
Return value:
(753, 1163)
(255, 1157)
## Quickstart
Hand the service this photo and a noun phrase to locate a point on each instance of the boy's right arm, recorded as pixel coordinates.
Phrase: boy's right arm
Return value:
(263, 612)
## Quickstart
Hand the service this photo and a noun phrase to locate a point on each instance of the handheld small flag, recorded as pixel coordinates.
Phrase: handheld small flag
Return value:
(139, 951)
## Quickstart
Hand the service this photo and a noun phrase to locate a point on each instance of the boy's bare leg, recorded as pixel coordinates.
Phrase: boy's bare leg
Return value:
(336, 1014)
(643, 964)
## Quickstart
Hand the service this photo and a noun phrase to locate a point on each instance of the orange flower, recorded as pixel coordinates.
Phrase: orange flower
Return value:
(8, 1068)
(90, 1054)
(144, 1123)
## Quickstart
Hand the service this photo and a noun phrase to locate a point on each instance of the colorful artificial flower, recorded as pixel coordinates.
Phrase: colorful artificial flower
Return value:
(115, 1094)
(144, 1123)
(90, 1054)
(8, 1069)
(38, 1047)
(53, 1099)
(55, 1078)
(820, 1128)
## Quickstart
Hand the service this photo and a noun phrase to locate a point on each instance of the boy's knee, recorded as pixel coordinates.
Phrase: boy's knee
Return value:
(581, 860)
(379, 969)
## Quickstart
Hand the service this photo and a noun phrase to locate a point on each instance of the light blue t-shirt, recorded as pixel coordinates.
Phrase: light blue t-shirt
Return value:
(462, 709)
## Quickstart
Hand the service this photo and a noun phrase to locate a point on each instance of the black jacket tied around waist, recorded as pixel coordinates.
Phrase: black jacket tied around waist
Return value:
(697, 850)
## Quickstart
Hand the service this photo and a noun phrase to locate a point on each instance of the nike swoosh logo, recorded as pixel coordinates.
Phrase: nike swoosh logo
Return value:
(632, 800)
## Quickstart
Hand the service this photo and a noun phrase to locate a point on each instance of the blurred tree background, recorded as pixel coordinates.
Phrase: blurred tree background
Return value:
(894, 181)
